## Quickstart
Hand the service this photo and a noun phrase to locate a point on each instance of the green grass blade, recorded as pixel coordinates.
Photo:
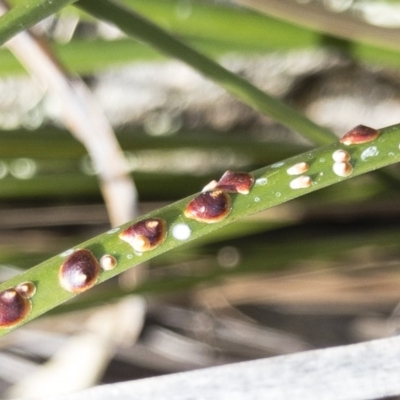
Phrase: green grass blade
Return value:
(272, 187)
(208, 28)
(215, 22)
(26, 14)
(134, 25)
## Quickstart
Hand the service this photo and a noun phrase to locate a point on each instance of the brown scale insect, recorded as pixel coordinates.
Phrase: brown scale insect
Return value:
(209, 207)
(13, 308)
(145, 235)
(79, 272)
(342, 168)
(108, 262)
(26, 289)
(232, 182)
(358, 135)
(298, 169)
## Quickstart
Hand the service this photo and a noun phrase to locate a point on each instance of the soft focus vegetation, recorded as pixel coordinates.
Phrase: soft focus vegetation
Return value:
(317, 271)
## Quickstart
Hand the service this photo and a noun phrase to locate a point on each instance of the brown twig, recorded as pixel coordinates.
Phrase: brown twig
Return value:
(336, 24)
(85, 120)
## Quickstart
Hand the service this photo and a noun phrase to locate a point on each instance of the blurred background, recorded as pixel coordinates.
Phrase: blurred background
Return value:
(316, 272)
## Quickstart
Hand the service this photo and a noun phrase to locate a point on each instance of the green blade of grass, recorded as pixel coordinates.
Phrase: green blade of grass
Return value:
(26, 14)
(208, 28)
(272, 187)
(256, 258)
(214, 22)
(134, 25)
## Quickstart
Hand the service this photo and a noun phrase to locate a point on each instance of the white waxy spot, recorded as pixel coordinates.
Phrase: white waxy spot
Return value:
(181, 232)
(370, 152)
(9, 294)
(110, 232)
(341, 156)
(342, 168)
(391, 154)
(322, 159)
(277, 165)
(257, 199)
(210, 186)
(298, 169)
(67, 253)
(278, 194)
(261, 181)
(80, 278)
(129, 256)
(108, 262)
(302, 182)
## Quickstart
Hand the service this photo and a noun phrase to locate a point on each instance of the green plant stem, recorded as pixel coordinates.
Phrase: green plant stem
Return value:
(136, 26)
(272, 187)
(26, 14)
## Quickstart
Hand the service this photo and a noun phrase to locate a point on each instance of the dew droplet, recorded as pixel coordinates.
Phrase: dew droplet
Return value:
(209, 207)
(130, 256)
(298, 169)
(301, 182)
(26, 289)
(79, 272)
(342, 168)
(322, 160)
(370, 152)
(108, 262)
(181, 232)
(145, 235)
(358, 135)
(278, 194)
(261, 181)
(341, 156)
(257, 199)
(235, 182)
(13, 308)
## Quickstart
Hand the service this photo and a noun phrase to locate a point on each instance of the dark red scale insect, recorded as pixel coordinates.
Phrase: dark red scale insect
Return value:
(232, 182)
(79, 272)
(145, 235)
(358, 135)
(13, 308)
(209, 207)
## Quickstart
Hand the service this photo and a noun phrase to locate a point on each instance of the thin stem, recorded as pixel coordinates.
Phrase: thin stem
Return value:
(26, 14)
(273, 185)
(336, 24)
(85, 120)
(136, 26)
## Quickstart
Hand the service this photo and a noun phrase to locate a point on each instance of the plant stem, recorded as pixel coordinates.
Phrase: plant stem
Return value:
(145, 31)
(26, 14)
(273, 186)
